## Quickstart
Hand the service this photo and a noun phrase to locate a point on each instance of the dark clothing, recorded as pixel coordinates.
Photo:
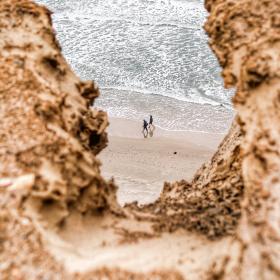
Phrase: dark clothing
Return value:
(145, 124)
(151, 120)
(145, 128)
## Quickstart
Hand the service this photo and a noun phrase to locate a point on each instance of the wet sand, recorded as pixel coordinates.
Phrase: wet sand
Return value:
(140, 165)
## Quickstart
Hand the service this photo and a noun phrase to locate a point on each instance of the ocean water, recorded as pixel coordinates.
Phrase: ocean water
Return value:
(147, 56)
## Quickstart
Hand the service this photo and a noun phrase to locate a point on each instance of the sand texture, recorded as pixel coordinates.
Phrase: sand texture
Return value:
(60, 219)
(140, 165)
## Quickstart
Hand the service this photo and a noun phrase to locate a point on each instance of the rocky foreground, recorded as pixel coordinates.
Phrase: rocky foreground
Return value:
(60, 219)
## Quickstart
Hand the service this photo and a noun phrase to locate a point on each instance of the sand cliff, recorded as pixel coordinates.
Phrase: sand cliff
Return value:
(60, 219)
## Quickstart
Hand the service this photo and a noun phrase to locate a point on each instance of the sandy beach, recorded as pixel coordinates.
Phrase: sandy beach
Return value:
(140, 165)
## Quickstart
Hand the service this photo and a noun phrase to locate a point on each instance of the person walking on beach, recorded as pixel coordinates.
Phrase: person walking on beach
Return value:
(151, 126)
(151, 121)
(145, 128)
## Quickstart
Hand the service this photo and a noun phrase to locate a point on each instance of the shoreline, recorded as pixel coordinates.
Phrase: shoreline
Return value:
(141, 165)
(144, 91)
(169, 113)
(139, 123)
(128, 128)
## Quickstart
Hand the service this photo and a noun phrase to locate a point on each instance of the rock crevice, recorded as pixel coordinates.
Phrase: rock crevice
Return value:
(50, 136)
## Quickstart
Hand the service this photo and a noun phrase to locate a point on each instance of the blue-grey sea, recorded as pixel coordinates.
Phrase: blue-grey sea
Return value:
(147, 56)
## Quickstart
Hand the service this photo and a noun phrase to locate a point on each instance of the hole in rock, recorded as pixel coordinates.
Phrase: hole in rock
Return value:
(48, 202)
(94, 139)
(51, 62)
(162, 67)
(148, 58)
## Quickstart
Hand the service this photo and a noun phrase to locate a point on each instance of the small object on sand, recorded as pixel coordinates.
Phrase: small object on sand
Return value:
(175, 153)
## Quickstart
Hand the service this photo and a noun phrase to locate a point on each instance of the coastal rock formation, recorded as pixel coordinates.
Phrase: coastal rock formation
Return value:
(50, 179)
(50, 134)
(245, 36)
(60, 219)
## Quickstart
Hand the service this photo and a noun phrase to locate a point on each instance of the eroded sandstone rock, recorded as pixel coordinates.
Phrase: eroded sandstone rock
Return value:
(245, 37)
(49, 136)
(49, 129)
